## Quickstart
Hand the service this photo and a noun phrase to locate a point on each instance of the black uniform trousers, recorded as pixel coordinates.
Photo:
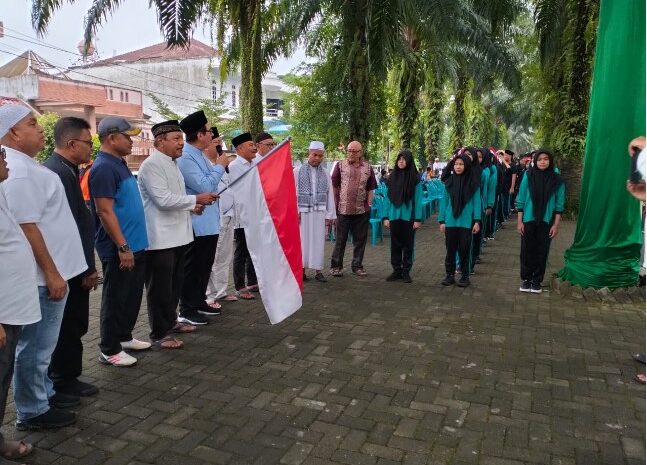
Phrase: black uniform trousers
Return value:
(67, 359)
(357, 225)
(402, 240)
(457, 240)
(198, 261)
(7, 357)
(121, 297)
(164, 280)
(535, 245)
(244, 273)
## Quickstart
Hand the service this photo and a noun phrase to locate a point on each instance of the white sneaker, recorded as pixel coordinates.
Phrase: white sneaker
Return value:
(122, 359)
(135, 344)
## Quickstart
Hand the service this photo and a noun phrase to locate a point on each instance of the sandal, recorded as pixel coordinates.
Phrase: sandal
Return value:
(245, 294)
(15, 449)
(214, 305)
(182, 328)
(252, 288)
(167, 342)
(640, 378)
(360, 272)
(336, 272)
(229, 298)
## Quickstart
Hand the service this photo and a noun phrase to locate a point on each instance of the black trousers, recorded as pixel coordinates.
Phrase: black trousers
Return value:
(488, 223)
(402, 240)
(358, 227)
(477, 243)
(198, 261)
(535, 245)
(67, 359)
(7, 356)
(457, 240)
(244, 273)
(121, 297)
(505, 199)
(500, 212)
(164, 279)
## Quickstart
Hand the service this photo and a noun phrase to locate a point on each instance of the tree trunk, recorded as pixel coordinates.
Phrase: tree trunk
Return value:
(435, 123)
(459, 109)
(359, 72)
(251, 91)
(408, 103)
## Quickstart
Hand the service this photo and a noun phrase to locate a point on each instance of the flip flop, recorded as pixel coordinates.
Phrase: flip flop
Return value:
(229, 298)
(182, 328)
(12, 449)
(252, 288)
(214, 305)
(168, 343)
(640, 378)
(245, 295)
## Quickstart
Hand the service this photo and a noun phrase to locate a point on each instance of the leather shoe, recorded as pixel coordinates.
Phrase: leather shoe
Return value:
(60, 400)
(320, 277)
(74, 387)
(53, 418)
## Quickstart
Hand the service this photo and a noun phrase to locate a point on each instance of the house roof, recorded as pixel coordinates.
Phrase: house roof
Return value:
(159, 52)
(28, 62)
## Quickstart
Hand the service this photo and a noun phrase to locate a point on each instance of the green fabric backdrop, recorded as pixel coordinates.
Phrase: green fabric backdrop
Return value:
(606, 249)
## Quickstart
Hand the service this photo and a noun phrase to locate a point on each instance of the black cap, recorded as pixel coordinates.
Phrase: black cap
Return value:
(509, 152)
(263, 136)
(165, 127)
(214, 132)
(194, 122)
(244, 137)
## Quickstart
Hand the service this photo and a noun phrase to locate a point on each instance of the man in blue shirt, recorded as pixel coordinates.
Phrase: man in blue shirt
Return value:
(200, 176)
(120, 240)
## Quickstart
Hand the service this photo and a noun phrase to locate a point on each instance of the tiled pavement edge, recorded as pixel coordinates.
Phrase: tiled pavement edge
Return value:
(369, 372)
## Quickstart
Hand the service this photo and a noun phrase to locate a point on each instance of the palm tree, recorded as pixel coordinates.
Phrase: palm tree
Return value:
(257, 36)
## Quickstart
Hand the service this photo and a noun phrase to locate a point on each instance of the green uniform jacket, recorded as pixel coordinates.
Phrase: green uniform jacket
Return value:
(410, 211)
(524, 203)
(493, 177)
(471, 212)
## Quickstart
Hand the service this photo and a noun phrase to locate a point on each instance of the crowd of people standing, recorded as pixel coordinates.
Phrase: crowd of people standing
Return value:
(174, 231)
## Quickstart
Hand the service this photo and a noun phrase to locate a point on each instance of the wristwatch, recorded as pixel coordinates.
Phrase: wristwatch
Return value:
(124, 248)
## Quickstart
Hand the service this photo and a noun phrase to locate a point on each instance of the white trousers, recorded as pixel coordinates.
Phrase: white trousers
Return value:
(219, 279)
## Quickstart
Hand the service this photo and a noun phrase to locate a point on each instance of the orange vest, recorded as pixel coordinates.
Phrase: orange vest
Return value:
(84, 180)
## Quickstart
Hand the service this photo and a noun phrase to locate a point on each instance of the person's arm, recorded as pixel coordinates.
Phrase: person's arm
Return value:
(105, 212)
(560, 197)
(153, 180)
(331, 213)
(198, 180)
(56, 285)
(514, 182)
(336, 183)
(494, 177)
(371, 185)
(417, 207)
(521, 203)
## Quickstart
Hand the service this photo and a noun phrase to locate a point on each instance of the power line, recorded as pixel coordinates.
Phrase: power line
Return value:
(120, 84)
(54, 47)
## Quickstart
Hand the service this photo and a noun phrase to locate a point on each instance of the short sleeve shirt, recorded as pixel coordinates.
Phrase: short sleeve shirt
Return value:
(111, 178)
(36, 195)
(20, 305)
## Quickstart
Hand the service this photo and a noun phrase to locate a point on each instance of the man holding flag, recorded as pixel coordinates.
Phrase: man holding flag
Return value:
(267, 207)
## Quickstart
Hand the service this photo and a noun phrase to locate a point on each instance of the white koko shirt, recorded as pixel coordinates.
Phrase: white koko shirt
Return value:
(166, 205)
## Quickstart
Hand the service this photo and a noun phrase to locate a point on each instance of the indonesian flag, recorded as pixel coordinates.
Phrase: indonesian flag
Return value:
(267, 204)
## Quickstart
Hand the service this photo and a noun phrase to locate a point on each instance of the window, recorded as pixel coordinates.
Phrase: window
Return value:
(214, 92)
(111, 97)
(233, 96)
(121, 96)
(126, 97)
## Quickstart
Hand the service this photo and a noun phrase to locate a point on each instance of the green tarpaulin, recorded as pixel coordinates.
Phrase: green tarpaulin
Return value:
(606, 249)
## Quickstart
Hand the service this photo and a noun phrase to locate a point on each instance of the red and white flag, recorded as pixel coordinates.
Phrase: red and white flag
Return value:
(266, 200)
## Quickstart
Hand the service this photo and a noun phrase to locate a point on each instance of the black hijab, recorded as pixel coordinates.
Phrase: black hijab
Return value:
(402, 182)
(488, 158)
(542, 184)
(476, 166)
(461, 187)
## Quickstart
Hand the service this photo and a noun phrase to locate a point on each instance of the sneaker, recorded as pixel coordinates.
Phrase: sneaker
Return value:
(210, 311)
(193, 319)
(396, 275)
(60, 400)
(122, 359)
(75, 387)
(449, 280)
(406, 277)
(464, 281)
(135, 344)
(53, 418)
(535, 288)
(525, 286)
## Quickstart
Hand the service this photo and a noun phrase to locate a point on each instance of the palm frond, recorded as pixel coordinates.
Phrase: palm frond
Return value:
(41, 13)
(177, 19)
(550, 23)
(98, 12)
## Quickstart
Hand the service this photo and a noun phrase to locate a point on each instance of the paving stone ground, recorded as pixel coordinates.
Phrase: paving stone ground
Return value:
(377, 373)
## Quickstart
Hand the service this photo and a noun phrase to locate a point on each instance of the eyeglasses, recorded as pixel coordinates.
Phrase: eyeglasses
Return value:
(268, 144)
(3, 153)
(88, 142)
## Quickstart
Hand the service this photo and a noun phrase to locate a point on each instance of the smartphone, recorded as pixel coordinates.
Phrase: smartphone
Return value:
(634, 175)
(219, 149)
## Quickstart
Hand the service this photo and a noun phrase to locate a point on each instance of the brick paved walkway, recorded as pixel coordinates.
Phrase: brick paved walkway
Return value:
(369, 372)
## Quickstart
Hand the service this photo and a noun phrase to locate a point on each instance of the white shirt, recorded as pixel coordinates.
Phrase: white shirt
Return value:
(18, 288)
(236, 168)
(36, 195)
(167, 207)
(329, 208)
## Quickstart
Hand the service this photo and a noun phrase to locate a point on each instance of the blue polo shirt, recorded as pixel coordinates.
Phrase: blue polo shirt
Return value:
(111, 178)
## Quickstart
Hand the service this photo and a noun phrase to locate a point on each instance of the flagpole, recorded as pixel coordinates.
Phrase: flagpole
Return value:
(279, 145)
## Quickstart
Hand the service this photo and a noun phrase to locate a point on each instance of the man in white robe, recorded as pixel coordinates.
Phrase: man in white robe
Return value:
(316, 202)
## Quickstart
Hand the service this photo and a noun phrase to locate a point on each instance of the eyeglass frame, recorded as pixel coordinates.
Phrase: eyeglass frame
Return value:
(3, 153)
(89, 142)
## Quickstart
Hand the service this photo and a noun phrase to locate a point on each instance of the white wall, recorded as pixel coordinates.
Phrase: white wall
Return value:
(25, 87)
